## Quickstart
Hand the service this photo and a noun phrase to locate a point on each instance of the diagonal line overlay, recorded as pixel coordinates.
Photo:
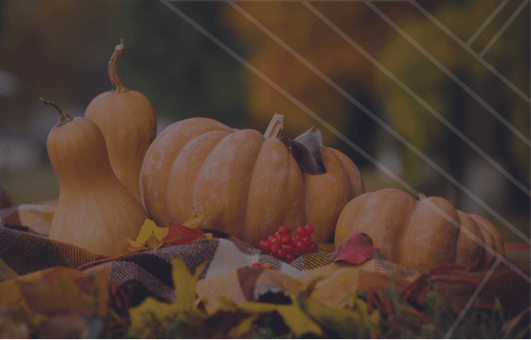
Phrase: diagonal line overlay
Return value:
(504, 27)
(454, 78)
(419, 99)
(472, 52)
(333, 130)
(374, 117)
(485, 24)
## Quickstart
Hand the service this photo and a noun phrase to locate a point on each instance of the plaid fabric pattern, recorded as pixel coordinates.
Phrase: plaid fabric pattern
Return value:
(26, 250)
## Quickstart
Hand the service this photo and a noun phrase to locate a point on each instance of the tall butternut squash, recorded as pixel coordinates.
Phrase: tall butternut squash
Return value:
(128, 123)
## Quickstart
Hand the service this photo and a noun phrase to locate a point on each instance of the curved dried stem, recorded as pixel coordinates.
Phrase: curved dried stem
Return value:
(116, 81)
(63, 116)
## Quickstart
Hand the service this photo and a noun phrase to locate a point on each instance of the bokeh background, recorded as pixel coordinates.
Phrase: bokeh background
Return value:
(59, 50)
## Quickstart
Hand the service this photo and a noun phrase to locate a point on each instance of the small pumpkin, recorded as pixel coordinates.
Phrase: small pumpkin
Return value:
(248, 183)
(413, 233)
(128, 123)
(95, 211)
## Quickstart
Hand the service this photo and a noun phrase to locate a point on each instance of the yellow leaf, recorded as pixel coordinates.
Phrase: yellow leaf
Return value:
(343, 321)
(184, 283)
(293, 316)
(194, 221)
(131, 249)
(153, 243)
(134, 244)
(226, 304)
(145, 231)
(243, 328)
(159, 233)
(209, 236)
(149, 236)
(151, 308)
(148, 309)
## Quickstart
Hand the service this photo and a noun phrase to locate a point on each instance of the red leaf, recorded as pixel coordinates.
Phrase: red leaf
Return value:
(356, 249)
(179, 234)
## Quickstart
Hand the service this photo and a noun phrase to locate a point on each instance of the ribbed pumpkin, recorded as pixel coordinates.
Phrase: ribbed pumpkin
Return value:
(128, 123)
(413, 232)
(248, 183)
(95, 211)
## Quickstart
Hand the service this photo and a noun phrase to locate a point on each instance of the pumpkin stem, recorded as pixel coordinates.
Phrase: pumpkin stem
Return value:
(275, 126)
(118, 85)
(63, 116)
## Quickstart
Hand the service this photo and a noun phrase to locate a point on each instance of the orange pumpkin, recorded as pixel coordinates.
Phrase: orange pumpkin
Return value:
(248, 183)
(95, 211)
(414, 234)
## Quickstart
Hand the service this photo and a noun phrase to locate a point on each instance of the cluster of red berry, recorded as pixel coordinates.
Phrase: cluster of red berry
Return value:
(286, 247)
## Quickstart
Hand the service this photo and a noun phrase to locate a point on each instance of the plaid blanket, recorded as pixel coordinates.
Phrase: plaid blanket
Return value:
(26, 251)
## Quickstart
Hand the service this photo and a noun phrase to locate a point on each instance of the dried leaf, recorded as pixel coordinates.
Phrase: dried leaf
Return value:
(53, 297)
(195, 221)
(179, 234)
(185, 283)
(298, 322)
(356, 249)
(153, 237)
(346, 323)
(510, 327)
(149, 237)
(150, 308)
(306, 150)
(245, 327)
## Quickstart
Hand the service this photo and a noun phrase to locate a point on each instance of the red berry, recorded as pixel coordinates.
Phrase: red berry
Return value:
(281, 253)
(285, 239)
(314, 247)
(290, 258)
(284, 230)
(300, 231)
(307, 250)
(296, 252)
(288, 248)
(307, 239)
(274, 240)
(256, 265)
(262, 244)
(295, 239)
(300, 246)
(309, 229)
(274, 248)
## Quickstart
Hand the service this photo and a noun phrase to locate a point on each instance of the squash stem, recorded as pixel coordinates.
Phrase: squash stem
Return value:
(275, 126)
(118, 85)
(63, 116)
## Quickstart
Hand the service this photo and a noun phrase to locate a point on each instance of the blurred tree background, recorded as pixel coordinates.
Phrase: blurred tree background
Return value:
(59, 50)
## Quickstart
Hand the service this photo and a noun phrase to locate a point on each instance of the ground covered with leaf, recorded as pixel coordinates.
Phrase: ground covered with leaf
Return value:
(97, 310)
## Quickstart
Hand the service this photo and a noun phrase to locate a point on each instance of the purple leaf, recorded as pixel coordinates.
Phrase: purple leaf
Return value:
(306, 150)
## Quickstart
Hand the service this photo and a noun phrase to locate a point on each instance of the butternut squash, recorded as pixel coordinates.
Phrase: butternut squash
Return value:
(95, 210)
